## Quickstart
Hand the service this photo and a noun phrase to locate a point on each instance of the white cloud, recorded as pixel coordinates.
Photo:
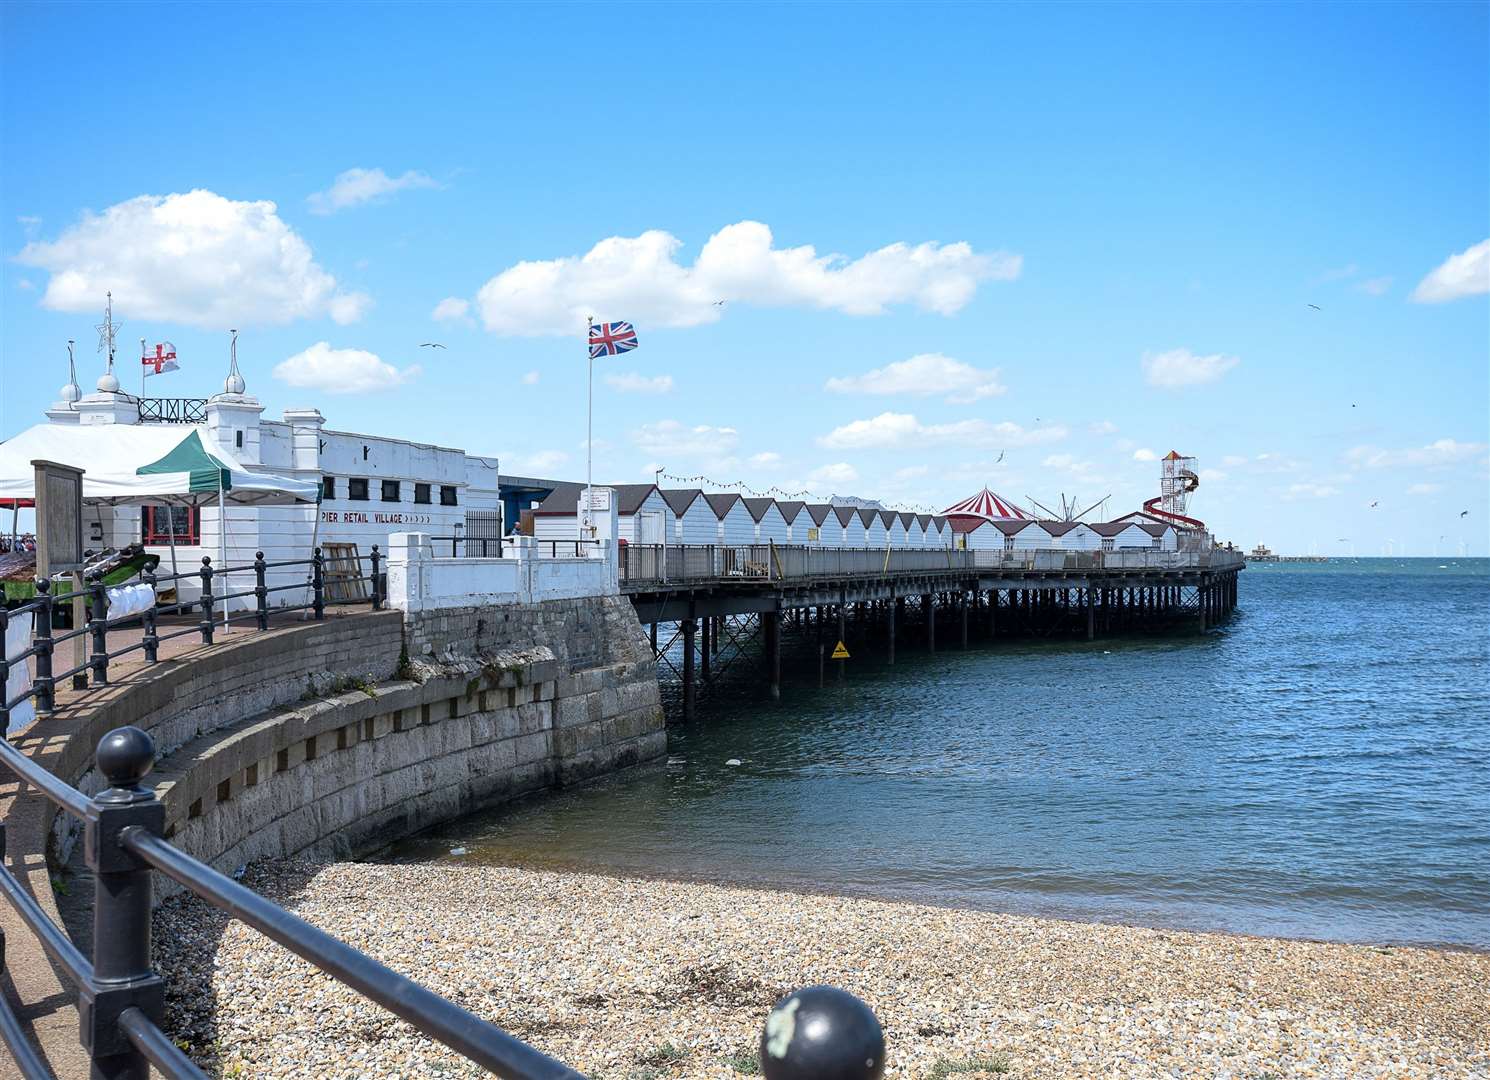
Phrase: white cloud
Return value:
(639, 278)
(838, 473)
(1461, 275)
(669, 438)
(1104, 427)
(1425, 489)
(531, 379)
(1213, 476)
(911, 472)
(535, 464)
(765, 459)
(342, 371)
(923, 376)
(1376, 286)
(1179, 368)
(1233, 460)
(631, 383)
(357, 186)
(1145, 454)
(25, 284)
(1435, 455)
(1296, 492)
(451, 309)
(1349, 270)
(197, 259)
(902, 429)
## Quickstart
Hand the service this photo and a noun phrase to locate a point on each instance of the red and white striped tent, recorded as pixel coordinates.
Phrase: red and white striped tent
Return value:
(987, 504)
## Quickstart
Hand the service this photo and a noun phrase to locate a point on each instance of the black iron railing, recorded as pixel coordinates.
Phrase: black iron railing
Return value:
(347, 586)
(121, 998)
(172, 410)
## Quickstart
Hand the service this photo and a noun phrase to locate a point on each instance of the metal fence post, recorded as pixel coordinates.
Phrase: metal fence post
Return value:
(151, 640)
(98, 663)
(206, 624)
(122, 976)
(377, 581)
(261, 590)
(4, 727)
(317, 586)
(41, 641)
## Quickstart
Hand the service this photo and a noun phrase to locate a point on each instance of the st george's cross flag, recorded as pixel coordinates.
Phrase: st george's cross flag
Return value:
(163, 360)
(611, 338)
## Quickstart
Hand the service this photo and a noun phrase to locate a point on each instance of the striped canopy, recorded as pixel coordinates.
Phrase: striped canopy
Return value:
(986, 504)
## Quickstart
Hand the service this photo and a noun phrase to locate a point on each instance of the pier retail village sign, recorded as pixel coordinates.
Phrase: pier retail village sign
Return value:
(362, 517)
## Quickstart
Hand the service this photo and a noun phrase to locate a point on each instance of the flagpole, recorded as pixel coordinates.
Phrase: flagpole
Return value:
(589, 426)
(142, 369)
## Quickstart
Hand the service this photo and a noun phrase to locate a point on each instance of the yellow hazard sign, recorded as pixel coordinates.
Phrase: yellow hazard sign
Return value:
(839, 652)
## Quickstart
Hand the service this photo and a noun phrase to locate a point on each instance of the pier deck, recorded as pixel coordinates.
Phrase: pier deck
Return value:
(732, 595)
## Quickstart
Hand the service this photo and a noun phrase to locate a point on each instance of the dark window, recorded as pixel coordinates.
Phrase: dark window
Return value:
(328, 487)
(421, 493)
(238, 438)
(390, 491)
(447, 495)
(157, 523)
(357, 490)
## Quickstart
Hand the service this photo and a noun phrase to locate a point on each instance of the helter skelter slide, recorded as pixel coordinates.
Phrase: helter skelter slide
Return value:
(1176, 480)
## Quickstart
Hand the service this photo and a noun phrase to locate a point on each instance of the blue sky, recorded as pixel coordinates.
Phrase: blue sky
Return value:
(1092, 234)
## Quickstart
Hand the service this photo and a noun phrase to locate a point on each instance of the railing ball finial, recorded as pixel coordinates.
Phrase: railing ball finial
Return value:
(822, 1033)
(125, 756)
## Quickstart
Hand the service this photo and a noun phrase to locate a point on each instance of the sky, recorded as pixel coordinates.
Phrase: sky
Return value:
(1032, 247)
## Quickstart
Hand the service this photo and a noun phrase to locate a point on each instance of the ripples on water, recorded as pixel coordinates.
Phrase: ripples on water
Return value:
(1319, 767)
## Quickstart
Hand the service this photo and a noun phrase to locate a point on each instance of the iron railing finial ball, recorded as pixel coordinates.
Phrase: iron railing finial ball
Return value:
(125, 756)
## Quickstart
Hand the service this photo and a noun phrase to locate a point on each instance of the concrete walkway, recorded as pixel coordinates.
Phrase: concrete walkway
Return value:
(43, 999)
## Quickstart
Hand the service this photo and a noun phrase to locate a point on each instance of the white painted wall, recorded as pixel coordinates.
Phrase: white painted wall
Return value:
(771, 526)
(418, 581)
(737, 527)
(698, 524)
(874, 531)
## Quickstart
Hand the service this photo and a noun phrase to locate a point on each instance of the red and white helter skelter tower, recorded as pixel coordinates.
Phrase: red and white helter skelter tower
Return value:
(1178, 477)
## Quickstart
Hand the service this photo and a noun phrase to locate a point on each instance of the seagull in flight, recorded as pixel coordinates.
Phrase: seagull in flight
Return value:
(1373, 505)
(720, 303)
(1316, 307)
(1464, 513)
(432, 345)
(1001, 457)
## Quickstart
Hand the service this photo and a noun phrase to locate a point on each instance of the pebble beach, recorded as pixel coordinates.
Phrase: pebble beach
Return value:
(633, 979)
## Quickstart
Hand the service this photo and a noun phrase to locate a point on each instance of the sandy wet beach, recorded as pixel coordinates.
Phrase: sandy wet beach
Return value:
(648, 979)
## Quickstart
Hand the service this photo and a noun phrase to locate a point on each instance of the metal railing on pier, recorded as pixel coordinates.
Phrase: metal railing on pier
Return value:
(349, 579)
(646, 564)
(122, 998)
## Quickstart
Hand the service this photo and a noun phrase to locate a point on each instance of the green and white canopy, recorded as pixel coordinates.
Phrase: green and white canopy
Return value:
(145, 463)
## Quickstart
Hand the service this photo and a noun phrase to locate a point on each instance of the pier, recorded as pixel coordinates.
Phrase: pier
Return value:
(714, 600)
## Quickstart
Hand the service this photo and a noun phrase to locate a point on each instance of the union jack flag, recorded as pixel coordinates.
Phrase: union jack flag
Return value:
(610, 338)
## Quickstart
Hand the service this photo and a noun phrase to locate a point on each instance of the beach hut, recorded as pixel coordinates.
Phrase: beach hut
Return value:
(1166, 536)
(813, 525)
(736, 526)
(896, 530)
(850, 527)
(975, 534)
(1073, 535)
(770, 525)
(1123, 536)
(874, 529)
(924, 532)
(792, 512)
(694, 520)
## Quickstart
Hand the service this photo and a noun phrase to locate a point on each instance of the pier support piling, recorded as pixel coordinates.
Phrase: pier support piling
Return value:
(689, 629)
(891, 609)
(772, 630)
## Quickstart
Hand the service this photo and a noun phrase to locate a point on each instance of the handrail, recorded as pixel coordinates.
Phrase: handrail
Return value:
(160, 1051)
(73, 963)
(44, 780)
(27, 1059)
(483, 1043)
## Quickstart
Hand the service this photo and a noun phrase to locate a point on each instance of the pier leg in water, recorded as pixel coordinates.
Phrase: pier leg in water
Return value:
(890, 612)
(773, 651)
(689, 627)
(962, 603)
(710, 632)
(1091, 614)
(654, 639)
(842, 628)
(929, 603)
(993, 613)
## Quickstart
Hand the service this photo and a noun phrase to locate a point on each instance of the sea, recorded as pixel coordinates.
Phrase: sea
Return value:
(1317, 767)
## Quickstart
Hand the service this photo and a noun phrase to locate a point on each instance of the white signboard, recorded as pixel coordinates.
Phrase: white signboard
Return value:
(599, 499)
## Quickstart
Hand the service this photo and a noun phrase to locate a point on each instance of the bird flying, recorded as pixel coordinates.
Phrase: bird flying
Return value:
(432, 345)
(1464, 513)
(719, 303)
(1001, 457)
(1316, 307)
(1373, 505)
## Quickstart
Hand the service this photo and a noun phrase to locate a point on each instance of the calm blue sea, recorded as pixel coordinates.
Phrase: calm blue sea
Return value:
(1319, 767)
